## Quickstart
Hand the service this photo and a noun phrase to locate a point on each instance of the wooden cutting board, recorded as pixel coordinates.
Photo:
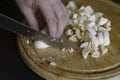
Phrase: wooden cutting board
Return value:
(71, 66)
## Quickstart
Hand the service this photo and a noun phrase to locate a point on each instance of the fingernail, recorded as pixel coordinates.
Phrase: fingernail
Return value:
(52, 31)
(58, 34)
(35, 27)
(53, 35)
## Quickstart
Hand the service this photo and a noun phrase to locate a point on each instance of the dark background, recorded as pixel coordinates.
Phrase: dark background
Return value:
(11, 65)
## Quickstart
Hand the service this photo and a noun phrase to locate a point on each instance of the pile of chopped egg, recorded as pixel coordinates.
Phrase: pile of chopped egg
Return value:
(88, 27)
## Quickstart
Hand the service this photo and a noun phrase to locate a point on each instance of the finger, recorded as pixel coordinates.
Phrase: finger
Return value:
(30, 16)
(49, 15)
(61, 18)
(65, 12)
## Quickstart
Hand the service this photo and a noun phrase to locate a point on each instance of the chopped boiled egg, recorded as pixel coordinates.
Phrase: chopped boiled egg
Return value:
(53, 64)
(92, 18)
(102, 21)
(82, 8)
(100, 38)
(104, 50)
(91, 31)
(78, 34)
(89, 28)
(95, 54)
(40, 44)
(106, 38)
(72, 5)
(88, 10)
(69, 32)
(85, 52)
(75, 15)
(85, 44)
(73, 38)
(91, 24)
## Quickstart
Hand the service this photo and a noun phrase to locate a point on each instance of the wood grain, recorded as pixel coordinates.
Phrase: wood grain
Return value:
(71, 66)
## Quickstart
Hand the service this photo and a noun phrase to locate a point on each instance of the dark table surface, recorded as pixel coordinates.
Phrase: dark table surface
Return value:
(12, 66)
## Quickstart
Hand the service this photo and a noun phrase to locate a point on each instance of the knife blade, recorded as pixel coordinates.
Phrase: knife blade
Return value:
(20, 28)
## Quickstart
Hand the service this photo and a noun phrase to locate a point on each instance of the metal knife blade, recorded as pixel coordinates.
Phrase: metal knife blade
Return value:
(20, 28)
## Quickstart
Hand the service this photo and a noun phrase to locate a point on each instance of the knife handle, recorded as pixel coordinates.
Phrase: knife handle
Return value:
(15, 26)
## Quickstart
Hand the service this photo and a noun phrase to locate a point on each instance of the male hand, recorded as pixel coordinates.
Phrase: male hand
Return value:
(53, 11)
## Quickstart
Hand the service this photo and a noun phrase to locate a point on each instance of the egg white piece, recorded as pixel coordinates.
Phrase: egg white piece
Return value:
(100, 38)
(72, 5)
(69, 32)
(92, 18)
(106, 38)
(104, 50)
(95, 41)
(95, 54)
(40, 44)
(91, 31)
(102, 21)
(91, 24)
(75, 21)
(88, 10)
(53, 64)
(85, 52)
(108, 24)
(78, 33)
(82, 7)
(85, 44)
(75, 16)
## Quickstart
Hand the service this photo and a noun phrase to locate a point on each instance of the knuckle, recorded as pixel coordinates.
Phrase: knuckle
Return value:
(52, 20)
(60, 15)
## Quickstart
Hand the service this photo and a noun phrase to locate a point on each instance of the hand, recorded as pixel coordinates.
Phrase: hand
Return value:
(53, 11)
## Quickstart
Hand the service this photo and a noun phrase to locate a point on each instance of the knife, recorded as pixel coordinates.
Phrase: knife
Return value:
(20, 28)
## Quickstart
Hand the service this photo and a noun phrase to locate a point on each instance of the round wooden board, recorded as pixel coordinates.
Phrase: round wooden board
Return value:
(71, 66)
